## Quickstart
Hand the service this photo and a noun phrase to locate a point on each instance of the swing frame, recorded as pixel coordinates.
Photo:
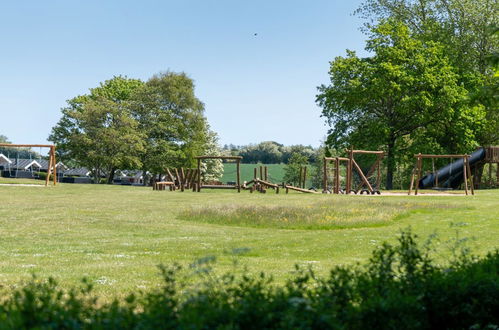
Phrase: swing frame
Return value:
(238, 170)
(52, 168)
(418, 171)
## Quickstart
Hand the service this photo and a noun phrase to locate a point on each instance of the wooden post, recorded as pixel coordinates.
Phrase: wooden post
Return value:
(49, 169)
(266, 173)
(420, 165)
(324, 176)
(497, 174)
(349, 171)
(261, 172)
(54, 163)
(378, 175)
(199, 175)
(337, 176)
(465, 173)
(362, 176)
(238, 175)
(470, 177)
(255, 173)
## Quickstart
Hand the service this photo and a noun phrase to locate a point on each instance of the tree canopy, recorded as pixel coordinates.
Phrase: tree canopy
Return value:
(399, 97)
(129, 124)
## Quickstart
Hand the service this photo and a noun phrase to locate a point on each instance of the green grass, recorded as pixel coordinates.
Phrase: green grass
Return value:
(20, 181)
(116, 236)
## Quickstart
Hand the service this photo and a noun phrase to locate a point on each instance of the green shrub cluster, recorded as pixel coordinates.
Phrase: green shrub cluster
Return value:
(400, 288)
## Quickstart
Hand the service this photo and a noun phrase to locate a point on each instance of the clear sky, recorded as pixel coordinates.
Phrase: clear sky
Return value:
(255, 87)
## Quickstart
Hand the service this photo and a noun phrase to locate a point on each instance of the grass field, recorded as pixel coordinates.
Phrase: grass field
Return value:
(116, 236)
(21, 181)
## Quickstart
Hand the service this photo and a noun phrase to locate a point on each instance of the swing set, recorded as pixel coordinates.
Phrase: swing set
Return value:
(52, 166)
(352, 167)
(447, 173)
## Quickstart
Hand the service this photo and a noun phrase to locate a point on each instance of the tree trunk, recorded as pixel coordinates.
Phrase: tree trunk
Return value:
(111, 176)
(390, 162)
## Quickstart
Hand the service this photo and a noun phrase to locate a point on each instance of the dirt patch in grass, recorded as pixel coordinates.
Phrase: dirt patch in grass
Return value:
(319, 215)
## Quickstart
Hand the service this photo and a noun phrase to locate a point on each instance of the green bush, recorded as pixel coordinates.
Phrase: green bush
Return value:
(400, 288)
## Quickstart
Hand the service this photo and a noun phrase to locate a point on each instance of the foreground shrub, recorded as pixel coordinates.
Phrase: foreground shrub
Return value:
(401, 287)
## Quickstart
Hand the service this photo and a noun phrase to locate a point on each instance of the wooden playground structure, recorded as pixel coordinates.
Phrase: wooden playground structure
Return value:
(458, 173)
(352, 167)
(418, 172)
(237, 186)
(491, 158)
(52, 167)
(260, 183)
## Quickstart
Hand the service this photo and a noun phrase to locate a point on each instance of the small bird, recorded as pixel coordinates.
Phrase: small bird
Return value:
(255, 34)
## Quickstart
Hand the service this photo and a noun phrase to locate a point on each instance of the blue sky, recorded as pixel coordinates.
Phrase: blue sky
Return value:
(255, 88)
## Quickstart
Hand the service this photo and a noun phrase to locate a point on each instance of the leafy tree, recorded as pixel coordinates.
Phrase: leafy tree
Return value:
(4, 139)
(394, 98)
(98, 131)
(292, 170)
(212, 169)
(462, 27)
(172, 119)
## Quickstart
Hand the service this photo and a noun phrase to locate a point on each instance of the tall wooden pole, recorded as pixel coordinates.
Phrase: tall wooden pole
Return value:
(349, 171)
(199, 175)
(419, 162)
(54, 164)
(266, 173)
(255, 174)
(238, 176)
(324, 176)
(261, 172)
(465, 173)
(49, 169)
(337, 176)
(468, 168)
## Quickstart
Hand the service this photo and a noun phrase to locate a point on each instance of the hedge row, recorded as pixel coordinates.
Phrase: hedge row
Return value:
(401, 287)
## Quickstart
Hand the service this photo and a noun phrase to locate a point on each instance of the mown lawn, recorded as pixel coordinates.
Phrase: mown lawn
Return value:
(116, 236)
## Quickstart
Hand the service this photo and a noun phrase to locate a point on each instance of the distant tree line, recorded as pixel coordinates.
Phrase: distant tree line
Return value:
(270, 152)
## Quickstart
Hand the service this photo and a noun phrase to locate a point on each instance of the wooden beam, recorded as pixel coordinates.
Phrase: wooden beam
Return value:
(219, 157)
(439, 156)
(54, 164)
(362, 176)
(199, 175)
(299, 189)
(239, 174)
(26, 145)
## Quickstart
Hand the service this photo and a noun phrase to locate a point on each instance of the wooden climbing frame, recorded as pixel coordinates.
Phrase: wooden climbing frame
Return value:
(238, 171)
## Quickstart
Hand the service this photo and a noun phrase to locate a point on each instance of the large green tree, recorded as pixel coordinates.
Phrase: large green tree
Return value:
(98, 131)
(172, 120)
(462, 27)
(395, 98)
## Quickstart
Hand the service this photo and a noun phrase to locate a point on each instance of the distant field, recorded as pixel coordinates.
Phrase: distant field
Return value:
(276, 172)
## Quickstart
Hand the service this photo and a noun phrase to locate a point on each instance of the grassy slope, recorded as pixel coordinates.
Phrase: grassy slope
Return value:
(117, 235)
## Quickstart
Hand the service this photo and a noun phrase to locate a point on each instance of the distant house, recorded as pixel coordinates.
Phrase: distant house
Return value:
(130, 178)
(25, 168)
